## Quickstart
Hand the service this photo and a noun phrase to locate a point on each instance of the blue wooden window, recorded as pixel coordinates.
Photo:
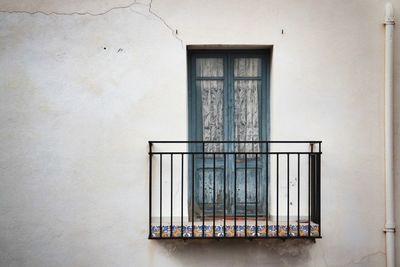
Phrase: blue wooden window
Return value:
(228, 101)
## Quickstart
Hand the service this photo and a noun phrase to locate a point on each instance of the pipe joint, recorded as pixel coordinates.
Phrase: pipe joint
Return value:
(389, 230)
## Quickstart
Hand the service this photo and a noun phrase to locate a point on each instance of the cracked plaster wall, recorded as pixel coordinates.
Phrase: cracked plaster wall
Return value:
(85, 84)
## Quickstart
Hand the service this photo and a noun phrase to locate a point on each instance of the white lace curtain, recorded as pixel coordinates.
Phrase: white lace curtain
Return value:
(245, 91)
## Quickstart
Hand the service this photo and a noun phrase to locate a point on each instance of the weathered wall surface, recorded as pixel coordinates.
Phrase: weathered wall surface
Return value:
(85, 84)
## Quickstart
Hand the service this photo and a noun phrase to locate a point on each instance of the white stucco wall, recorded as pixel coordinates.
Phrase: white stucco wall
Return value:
(85, 84)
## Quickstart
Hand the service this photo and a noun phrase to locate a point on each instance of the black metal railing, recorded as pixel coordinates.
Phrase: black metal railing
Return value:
(269, 189)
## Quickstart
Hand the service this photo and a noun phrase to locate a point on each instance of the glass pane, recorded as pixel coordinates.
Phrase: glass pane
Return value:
(247, 67)
(246, 114)
(209, 67)
(212, 97)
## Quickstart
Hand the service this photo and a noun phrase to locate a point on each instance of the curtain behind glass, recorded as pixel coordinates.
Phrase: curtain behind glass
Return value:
(247, 103)
(212, 97)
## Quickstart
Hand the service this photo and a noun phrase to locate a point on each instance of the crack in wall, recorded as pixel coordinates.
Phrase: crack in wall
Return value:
(174, 32)
(87, 13)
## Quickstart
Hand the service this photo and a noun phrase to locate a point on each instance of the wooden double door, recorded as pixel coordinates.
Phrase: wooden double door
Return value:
(228, 101)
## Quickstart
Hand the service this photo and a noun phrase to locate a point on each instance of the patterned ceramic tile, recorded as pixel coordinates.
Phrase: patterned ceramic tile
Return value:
(262, 230)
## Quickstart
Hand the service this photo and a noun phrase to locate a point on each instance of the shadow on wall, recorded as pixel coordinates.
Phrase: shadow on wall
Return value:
(238, 252)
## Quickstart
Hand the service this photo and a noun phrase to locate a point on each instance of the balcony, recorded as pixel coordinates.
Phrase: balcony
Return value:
(234, 189)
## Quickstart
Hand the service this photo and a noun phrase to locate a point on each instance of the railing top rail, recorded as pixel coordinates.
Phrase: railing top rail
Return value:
(235, 142)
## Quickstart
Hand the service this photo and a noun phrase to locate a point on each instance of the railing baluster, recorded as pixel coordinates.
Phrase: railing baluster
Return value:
(319, 190)
(309, 195)
(235, 189)
(224, 195)
(288, 199)
(298, 194)
(161, 196)
(193, 167)
(266, 192)
(256, 233)
(182, 168)
(150, 186)
(204, 184)
(172, 192)
(245, 195)
(277, 194)
(213, 194)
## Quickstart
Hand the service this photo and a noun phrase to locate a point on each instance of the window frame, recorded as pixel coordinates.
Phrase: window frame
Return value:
(194, 103)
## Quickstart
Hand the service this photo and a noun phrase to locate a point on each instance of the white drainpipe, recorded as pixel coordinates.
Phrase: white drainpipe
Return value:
(389, 177)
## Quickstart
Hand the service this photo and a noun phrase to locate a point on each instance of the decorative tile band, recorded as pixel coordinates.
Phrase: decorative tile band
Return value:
(240, 231)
